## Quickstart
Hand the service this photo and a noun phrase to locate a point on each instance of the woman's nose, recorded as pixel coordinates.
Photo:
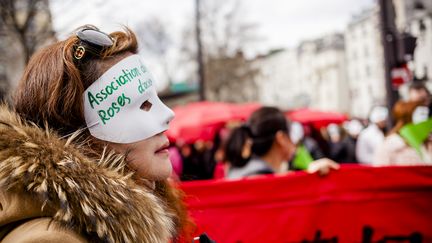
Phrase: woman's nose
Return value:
(170, 115)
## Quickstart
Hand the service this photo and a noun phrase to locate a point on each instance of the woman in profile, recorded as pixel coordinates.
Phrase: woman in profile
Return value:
(83, 157)
(263, 145)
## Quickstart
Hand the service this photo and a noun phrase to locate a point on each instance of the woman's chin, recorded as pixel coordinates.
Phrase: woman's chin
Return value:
(161, 168)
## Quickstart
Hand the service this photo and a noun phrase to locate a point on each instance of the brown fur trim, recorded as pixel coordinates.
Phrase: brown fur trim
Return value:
(95, 197)
(174, 198)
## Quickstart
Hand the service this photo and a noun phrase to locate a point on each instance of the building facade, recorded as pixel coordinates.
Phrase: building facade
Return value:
(277, 80)
(365, 63)
(322, 73)
(415, 17)
(311, 75)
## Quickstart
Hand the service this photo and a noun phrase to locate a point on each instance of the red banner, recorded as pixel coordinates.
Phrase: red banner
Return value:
(354, 204)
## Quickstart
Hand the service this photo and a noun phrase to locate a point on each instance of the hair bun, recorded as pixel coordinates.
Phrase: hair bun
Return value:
(245, 127)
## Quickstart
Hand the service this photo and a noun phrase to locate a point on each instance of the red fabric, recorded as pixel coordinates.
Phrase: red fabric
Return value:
(243, 111)
(201, 120)
(219, 172)
(392, 201)
(316, 118)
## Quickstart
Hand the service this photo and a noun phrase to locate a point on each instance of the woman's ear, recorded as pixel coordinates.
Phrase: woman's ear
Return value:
(284, 141)
(247, 149)
(282, 138)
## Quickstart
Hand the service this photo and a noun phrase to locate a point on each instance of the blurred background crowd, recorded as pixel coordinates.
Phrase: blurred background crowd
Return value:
(317, 135)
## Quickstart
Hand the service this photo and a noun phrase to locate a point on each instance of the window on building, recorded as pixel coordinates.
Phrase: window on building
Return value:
(354, 93)
(354, 55)
(368, 71)
(364, 30)
(352, 35)
(366, 51)
(370, 89)
(356, 74)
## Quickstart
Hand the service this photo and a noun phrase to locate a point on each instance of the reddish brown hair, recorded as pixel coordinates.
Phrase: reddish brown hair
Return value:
(52, 85)
(402, 113)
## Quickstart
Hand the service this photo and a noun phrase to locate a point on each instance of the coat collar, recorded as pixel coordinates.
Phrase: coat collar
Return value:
(92, 196)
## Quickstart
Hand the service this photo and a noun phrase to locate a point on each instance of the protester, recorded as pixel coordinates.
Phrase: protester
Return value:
(199, 164)
(221, 166)
(299, 138)
(342, 145)
(84, 158)
(263, 144)
(396, 150)
(353, 129)
(371, 137)
(418, 91)
(334, 136)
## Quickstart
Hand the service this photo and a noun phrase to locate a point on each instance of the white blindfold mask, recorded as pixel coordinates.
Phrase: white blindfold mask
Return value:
(122, 106)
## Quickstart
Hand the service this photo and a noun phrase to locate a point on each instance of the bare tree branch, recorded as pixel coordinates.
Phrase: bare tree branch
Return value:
(29, 21)
(225, 34)
(25, 25)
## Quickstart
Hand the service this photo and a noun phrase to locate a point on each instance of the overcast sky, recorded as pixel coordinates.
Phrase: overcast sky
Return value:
(281, 23)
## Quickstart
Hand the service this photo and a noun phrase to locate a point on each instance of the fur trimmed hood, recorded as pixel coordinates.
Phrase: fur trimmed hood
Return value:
(93, 197)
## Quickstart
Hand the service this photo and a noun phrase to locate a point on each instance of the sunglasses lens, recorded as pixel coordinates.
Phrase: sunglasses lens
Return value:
(95, 37)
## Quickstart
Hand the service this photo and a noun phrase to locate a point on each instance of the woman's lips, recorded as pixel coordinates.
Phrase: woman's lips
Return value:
(163, 148)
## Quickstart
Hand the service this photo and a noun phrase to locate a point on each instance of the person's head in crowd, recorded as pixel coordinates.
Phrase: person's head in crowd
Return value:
(200, 145)
(297, 132)
(96, 83)
(334, 133)
(378, 116)
(421, 114)
(186, 150)
(418, 91)
(353, 128)
(403, 113)
(266, 132)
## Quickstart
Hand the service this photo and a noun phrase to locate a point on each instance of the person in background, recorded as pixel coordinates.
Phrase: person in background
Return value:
(191, 162)
(220, 170)
(418, 91)
(263, 145)
(353, 129)
(372, 136)
(198, 161)
(334, 136)
(395, 149)
(298, 137)
(83, 155)
(342, 145)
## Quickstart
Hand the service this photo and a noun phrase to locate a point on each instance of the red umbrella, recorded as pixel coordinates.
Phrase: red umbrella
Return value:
(316, 118)
(201, 120)
(243, 111)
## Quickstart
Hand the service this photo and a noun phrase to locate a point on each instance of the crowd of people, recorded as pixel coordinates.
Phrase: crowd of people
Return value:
(268, 143)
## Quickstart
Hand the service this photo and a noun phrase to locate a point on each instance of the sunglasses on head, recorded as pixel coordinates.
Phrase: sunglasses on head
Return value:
(92, 43)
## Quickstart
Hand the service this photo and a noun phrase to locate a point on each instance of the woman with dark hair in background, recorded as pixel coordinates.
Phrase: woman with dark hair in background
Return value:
(83, 157)
(263, 144)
